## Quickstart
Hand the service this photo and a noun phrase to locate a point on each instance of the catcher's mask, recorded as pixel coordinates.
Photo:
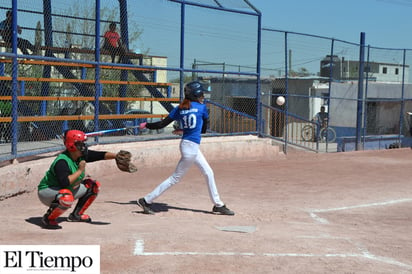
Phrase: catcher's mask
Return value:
(194, 90)
(75, 140)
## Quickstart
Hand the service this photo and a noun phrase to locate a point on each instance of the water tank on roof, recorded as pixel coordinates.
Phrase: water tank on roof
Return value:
(326, 70)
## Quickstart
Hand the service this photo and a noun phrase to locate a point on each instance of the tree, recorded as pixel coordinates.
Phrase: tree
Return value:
(302, 72)
(186, 79)
(38, 39)
(68, 41)
(79, 24)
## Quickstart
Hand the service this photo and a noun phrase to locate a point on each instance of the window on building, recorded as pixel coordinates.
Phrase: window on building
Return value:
(384, 70)
(396, 71)
(325, 99)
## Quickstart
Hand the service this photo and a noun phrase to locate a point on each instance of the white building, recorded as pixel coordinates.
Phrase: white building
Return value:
(348, 70)
(378, 72)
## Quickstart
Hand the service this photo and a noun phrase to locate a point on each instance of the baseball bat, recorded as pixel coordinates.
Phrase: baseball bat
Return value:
(101, 132)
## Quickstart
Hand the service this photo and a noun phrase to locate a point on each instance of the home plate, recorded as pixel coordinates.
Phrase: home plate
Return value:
(243, 229)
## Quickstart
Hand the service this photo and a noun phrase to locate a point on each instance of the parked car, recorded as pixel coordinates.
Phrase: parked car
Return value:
(119, 123)
(138, 121)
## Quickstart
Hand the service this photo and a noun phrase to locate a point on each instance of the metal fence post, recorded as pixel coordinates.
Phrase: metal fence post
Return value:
(360, 91)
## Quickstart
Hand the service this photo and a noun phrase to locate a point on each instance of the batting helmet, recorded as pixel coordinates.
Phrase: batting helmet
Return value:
(194, 90)
(74, 140)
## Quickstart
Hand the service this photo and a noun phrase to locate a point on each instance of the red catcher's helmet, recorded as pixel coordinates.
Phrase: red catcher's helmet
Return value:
(72, 137)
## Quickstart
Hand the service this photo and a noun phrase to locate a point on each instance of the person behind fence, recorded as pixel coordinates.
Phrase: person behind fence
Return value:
(65, 180)
(321, 119)
(193, 117)
(6, 31)
(113, 43)
(5, 128)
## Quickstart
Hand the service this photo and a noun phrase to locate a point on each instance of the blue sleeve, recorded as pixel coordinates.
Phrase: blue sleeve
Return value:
(174, 114)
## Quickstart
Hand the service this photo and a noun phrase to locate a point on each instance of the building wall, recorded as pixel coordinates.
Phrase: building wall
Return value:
(382, 110)
(307, 95)
(157, 61)
(379, 72)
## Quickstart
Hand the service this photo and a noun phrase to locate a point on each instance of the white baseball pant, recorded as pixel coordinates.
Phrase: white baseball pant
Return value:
(190, 154)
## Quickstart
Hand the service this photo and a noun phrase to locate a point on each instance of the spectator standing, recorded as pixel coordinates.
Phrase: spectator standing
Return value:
(6, 31)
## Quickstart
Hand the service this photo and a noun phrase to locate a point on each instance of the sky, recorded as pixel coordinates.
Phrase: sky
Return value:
(386, 23)
(228, 38)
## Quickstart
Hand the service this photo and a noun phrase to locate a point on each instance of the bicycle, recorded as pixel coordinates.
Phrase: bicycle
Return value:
(308, 133)
(326, 133)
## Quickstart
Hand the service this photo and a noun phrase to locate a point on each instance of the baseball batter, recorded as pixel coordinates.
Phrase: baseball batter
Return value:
(193, 117)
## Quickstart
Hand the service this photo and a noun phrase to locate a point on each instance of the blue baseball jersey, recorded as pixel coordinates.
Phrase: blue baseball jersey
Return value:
(191, 120)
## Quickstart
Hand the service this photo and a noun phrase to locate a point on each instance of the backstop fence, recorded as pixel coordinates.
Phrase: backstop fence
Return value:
(112, 64)
(364, 89)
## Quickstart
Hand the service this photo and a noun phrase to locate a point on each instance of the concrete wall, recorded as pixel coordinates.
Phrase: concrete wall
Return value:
(24, 177)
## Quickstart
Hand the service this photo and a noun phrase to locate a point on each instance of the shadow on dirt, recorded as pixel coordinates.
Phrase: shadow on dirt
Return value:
(160, 207)
(37, 221)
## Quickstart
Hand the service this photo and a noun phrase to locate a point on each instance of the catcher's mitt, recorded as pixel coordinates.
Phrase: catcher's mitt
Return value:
(123, 158)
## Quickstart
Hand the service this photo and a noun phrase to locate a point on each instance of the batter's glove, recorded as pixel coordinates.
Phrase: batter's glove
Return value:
(123, 158)
(178, 131)
(142, 125)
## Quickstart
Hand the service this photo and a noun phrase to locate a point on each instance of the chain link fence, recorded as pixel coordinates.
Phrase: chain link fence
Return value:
(365, 91)
(106, 64)
(127, 62)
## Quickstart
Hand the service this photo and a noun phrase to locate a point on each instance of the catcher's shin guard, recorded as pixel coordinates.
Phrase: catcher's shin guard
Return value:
(93, 188)
(63, 201)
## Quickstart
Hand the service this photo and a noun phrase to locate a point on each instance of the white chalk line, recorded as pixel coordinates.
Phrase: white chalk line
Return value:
(139, 251)
(365, 253)
(318, 219)
(391, 202)
(139, 245)
(386, 260)
(321, 220)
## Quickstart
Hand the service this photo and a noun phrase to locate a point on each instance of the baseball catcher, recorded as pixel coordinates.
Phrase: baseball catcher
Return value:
(66, 180)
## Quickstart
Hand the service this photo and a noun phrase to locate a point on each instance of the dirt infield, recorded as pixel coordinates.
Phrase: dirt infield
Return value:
(302, 213)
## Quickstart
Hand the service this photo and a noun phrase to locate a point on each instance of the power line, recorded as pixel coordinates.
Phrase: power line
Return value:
(398, 2)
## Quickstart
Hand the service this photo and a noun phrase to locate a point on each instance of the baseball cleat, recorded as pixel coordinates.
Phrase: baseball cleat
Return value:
(79, 218)
(145, 206)
(49, 224)
(222, 210)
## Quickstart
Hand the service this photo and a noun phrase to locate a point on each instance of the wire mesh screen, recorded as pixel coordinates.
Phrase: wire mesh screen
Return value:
(96, 65)
(365, 94)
